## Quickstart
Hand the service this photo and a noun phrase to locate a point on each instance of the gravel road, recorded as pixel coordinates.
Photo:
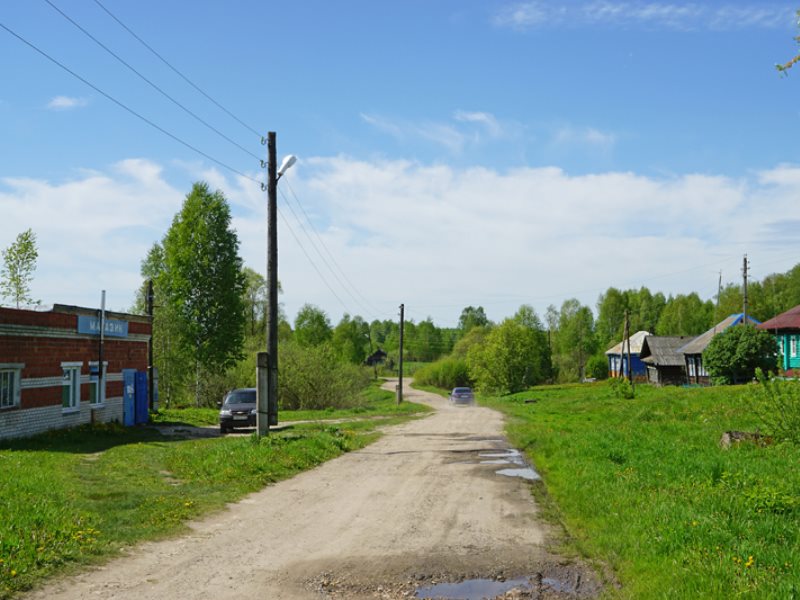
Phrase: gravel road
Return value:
(412, 510)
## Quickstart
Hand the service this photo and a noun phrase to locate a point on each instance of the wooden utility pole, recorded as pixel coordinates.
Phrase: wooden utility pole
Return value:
(744, 289)
(267, 362)
(151, 371)
(621, 372)
(400, 384)
(628, 332)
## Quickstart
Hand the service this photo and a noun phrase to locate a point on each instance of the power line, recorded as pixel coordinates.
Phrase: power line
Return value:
(176, 71)
(327, 250)
(125, 107)
(151, 83)
(313, 264)
(324, 260)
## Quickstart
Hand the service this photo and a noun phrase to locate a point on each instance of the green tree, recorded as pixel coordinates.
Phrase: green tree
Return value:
(425, 342)
(734, 355)
(203, 282)
(511, 358)
(576, 340)
(350, 340)
(19, 263)
(172, 360)
(312, 377)
(685, 315)
(474, 337)
(312, 326)
(472, 317)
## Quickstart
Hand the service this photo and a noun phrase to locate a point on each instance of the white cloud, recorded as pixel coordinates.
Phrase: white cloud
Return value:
(66, 103)
(466, 127)
(433, 237)
(668, 15)
(587, 137)
(487, 120)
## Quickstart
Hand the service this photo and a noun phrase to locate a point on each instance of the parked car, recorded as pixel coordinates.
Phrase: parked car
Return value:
(238, 409)
(462, 395)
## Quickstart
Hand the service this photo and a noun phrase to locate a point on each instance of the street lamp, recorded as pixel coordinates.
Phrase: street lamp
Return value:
(267, 362)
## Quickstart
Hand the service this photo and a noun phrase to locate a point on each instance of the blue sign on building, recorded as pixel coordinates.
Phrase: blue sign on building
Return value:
(111, 327)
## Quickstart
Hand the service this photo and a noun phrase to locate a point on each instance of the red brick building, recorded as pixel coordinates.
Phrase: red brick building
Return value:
(48, 368)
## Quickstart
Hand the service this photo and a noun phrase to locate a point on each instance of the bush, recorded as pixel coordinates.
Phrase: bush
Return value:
(734, 355)
(312, 378)
(446, 373)
(777, 404)
(621, 388)
(597, 367)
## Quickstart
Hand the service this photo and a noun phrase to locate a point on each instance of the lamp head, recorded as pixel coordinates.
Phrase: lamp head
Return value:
(286, 164)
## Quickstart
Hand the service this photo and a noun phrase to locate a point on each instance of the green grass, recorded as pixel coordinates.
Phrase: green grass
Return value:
(71, 497)
(374, 402)
(642, 486)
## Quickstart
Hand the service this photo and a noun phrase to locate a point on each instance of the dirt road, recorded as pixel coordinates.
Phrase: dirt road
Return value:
(414, 509)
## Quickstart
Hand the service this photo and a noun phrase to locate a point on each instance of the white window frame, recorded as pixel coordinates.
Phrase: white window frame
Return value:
(71, 386)
(10, 384)
(94, 400)
(793, 346)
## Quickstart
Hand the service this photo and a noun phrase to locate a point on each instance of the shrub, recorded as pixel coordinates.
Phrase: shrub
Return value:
(446, 373)
(597, 366)
(312, 378)
(734, 355)
(777, 404)
(621, 388)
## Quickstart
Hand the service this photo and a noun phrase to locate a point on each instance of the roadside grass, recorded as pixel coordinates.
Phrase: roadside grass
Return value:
(71, 497)
(643, 486)
(374, 402)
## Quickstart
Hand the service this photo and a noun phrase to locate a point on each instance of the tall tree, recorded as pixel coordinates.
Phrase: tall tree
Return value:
(510, 359)
(350, 340)
(19, 263)
(576, 339)
(312, 326)
(472, 317)
(203, 281)
(685, 315)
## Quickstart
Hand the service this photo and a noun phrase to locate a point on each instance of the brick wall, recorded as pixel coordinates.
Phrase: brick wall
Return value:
(41, 341)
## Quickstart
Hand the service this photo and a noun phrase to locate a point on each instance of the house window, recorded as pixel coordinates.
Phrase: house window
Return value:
(97, 396)
(71, 386)
(793, 346)
(691, 367)
(10, 384)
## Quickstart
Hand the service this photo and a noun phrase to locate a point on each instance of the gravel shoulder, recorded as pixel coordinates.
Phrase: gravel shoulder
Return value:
(415, 508)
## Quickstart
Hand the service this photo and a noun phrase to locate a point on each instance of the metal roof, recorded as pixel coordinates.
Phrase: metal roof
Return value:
(663, 351)
(786, 320)
(698, 344)
(637, 339)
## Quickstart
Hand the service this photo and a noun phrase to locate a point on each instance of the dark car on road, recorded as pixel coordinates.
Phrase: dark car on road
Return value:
(462, 395)
(238, 409)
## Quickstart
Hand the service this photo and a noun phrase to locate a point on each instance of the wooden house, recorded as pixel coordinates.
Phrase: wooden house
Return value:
(786, 328)
(693, 351)
(618, 357)
(664, 362)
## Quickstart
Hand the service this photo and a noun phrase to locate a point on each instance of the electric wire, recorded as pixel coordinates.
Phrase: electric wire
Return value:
(175, 70)
(366, 304)
(151, 83)
(127, 108)
(310, 260)
(324, 260)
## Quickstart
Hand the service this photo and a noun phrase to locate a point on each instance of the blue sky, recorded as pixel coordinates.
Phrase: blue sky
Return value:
(451, 153)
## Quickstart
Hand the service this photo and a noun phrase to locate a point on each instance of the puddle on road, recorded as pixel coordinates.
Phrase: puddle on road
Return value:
(524, 473)
(472, 589)
(510, 457)
(484, 589)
